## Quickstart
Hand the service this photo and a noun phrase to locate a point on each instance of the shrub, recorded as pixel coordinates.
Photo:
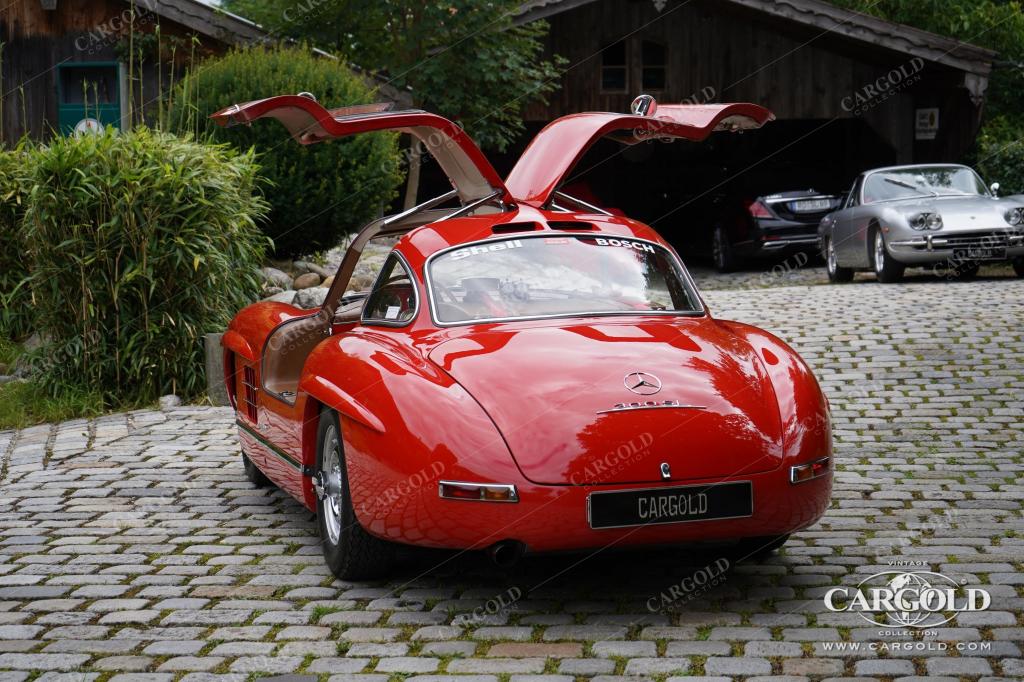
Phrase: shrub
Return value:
(1000, 155)
(319, 192)
(139, 243)
(15, 302)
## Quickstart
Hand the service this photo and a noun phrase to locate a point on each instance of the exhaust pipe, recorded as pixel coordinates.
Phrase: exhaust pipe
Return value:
(507, 553)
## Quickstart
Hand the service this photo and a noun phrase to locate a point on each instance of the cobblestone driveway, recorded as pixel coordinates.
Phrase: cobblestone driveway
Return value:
(132, 546)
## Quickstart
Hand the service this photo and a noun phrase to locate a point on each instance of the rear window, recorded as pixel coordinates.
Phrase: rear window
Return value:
(558, 276)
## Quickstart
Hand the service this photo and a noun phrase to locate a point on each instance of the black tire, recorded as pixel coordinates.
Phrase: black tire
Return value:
(253, 473)
(759, 549)
(722, 254)
(1018, 265)
(350, 552)
(887, 269)
(836, 273)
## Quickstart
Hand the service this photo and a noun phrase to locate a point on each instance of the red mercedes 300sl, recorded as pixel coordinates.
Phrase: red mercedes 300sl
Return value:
(528, 372)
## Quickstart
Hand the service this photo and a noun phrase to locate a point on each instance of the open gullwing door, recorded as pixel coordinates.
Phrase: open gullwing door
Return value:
(308, 122)
(557, 148)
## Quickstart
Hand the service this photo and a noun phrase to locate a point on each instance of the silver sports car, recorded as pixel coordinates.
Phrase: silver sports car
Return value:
(921, 215)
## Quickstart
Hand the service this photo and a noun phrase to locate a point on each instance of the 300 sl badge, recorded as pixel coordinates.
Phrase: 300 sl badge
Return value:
(651, 405)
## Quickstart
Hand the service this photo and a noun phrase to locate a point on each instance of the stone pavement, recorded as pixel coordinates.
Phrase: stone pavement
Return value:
(132, 548)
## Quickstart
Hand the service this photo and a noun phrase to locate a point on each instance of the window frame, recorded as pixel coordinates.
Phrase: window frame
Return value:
(624, 66)
(382, 322)
(663, 66)
(687, 282)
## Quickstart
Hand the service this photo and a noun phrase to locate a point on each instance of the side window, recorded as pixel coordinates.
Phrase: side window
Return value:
(393, 300)
(613, 67)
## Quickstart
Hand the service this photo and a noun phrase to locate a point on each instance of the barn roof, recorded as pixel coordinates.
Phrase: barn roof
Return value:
(831, 19)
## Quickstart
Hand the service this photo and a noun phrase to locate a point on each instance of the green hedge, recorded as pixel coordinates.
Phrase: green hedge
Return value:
(16, 310)
(139, 243)
(319, 192)
(1000, 155)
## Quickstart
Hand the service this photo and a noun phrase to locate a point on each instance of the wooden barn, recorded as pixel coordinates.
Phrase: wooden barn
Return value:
(849, 91)
(66, 63)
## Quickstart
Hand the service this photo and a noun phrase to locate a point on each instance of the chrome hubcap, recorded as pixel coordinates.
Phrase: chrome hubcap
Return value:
(879, 252)
(327, 484)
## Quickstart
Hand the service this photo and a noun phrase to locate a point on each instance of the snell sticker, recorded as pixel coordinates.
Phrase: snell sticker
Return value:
(485, 248)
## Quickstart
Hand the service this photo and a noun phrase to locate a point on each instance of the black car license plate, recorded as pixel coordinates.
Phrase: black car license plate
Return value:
(650, 506)
(980, 253)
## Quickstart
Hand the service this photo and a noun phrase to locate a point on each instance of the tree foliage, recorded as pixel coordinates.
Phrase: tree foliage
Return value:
(318, 192)
(463, 59)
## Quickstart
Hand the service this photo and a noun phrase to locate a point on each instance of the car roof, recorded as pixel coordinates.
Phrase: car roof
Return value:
(422, 242)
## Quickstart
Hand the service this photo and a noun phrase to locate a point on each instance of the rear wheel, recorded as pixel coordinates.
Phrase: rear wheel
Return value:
(1018, 266)
(722, 251)
(836, 273)
(887, 269)
(253, 473)
(350, 552)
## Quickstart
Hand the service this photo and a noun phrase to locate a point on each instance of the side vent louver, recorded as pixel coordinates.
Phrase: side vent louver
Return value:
(249, 381)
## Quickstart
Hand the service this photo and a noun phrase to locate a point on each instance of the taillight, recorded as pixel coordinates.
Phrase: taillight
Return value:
(759, 210)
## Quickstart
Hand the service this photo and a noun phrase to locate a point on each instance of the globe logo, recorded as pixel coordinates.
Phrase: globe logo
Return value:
(907, 586)
(908, 599)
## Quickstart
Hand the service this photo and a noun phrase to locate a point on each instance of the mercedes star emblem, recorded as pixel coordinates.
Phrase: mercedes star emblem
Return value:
(642, 383)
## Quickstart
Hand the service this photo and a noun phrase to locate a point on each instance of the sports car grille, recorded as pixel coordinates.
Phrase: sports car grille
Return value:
(996, 239)
(249, 381)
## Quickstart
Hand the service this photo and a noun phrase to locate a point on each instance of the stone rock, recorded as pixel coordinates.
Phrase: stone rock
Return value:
(271, 290)
(282, 297)
(7, 378)
(306, 266)
(311, 298)
(169, 401)
(35, 342)
(276, 277)
(306, 281)
(328, 281)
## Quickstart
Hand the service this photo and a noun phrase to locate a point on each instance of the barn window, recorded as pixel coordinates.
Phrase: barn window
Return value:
(653, 64)
(88, 96)
(613, 67)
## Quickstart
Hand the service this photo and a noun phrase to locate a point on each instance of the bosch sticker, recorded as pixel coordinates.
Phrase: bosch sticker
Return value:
(485, 248)
(637, 246)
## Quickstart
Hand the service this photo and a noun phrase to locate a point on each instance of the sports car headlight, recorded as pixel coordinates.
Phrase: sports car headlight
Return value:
(926, 221)
(1015, 216)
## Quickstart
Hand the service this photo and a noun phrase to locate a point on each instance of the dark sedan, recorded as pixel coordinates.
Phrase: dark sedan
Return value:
(770, 225)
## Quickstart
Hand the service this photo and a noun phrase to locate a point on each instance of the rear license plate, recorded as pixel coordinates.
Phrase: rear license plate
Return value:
(649, 506)
(812, 205)
(980, 253)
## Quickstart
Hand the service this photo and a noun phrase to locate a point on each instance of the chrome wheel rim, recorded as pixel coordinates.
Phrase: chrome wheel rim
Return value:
(330, 475)
(830, 254)
(879, 252)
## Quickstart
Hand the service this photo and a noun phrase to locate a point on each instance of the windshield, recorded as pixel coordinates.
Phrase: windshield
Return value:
(557, 276)
(910, 183)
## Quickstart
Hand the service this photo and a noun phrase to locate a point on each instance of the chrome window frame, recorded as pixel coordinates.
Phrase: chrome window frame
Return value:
(687, 281)
(373, 321)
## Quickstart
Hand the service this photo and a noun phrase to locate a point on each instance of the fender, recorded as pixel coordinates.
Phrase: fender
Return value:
(236, 343)
(806, 433)
(335, 397)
